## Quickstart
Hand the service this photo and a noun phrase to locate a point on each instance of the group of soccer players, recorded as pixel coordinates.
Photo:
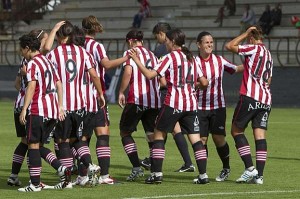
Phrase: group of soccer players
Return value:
(61, 91)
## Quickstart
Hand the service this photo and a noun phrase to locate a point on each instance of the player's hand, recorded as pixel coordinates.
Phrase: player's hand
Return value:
(122, 100)
(22, 117)
(249, 30)
(101, 101)
(62, 114)
(133, 53)
(58, 25)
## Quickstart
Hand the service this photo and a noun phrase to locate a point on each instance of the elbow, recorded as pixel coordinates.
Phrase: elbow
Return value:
(228, 46)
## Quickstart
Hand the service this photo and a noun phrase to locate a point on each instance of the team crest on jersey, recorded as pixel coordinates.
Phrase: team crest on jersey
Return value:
(264, 120)
(80, 128)
(196, 124)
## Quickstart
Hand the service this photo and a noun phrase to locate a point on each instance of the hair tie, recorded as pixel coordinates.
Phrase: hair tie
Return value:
(39, 34)
(182, 45)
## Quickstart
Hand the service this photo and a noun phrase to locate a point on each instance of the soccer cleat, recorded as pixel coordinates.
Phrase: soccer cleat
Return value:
(146, 163)
(45, 186)
(185, 168)
(13, 181)
(153, 179)
(93, 170)
(258, 180)
(30, 188)
(65, 177)
(247, 176)
(109, 180)
(223, 175)
(135, 173)
(81, 180)
(202, 179)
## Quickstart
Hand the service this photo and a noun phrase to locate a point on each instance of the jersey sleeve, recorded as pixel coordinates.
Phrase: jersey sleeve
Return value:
(228, 66)
(248, 49)
(162, 67)
(32, 72)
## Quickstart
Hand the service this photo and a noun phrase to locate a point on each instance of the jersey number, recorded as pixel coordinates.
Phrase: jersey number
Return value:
(48, 76)
(266, 74)
(71, 68)
(188, 79)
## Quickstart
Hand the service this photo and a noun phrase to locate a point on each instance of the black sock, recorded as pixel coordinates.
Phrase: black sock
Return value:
(243, 148)
(18, 158)
(200, 156)
(158, 155)
(49, 157)
(103, 153)
(65, 155)
(83, 152)
(183, 148)
(261, 155)
(131, 150)
(34, 166)
(223, 153)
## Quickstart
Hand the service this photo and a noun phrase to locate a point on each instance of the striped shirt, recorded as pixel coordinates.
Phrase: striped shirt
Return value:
(99, 53)
(45, 101)
(258, 66)
(20, 98)
(181, 76)
(213, 69)
(141, 90)
(71, 61)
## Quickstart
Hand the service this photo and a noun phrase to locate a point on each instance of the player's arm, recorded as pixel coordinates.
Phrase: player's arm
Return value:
(124, 84)
(18, 82)
(30, 89)
(96, 81)
(239, 68)
(269, 80)
(233, 45)
(49, 42)
(59, 89)
(108, 64)
(149, 74)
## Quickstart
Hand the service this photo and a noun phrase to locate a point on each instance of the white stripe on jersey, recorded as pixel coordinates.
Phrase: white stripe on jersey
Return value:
(141, 90)
(213, 69)
(181, 76)
(258, 69)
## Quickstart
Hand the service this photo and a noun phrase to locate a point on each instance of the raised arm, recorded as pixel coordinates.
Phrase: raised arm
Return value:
(49, 42)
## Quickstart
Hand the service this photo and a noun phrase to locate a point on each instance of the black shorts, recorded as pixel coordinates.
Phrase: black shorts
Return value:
(88, 124)
(133, 113)
(248, 110)
(168, 117)
(38, 128)
(102, 117)
(212, 121)
(20, 128)
(72, 126)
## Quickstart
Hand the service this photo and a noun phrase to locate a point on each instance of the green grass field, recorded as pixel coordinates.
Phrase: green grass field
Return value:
(281, 177)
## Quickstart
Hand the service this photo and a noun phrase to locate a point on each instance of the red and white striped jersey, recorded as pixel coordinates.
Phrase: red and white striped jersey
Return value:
(20, 98)
(45, 101)
(71, 61)
(91, 92)
(141, 90)
(258, 66)
(98, 52)
(213, 69)
(181, 76)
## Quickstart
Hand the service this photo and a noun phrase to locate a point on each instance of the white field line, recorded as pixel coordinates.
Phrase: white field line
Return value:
(218, 194)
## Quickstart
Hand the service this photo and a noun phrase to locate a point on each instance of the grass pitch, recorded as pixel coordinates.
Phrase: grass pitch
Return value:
(281, 176)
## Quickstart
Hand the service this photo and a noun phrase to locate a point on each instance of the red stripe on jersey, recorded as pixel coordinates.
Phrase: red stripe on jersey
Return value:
(213, 81)
(43, 86)
(154, 84)
(176, 80)
(219, 83)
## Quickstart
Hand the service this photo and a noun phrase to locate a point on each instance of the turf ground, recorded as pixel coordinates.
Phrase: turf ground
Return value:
(281, 177)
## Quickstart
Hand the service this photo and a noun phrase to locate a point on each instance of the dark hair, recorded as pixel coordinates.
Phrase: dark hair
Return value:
(258, 33)
(66, 30)
(78, 36)
(135, 35)
(30, 41)
(38, 33)
(91, 25)
(201, 35)
(178, 37)
(161, 27)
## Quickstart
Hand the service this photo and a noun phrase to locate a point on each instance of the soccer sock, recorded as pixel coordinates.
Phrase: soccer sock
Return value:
(103, 153)
(49, 157)
(158, 155)
(82, 169)
(261, 155)
(183, 148)
(131, 150)
(243, 147)
(34, 166)
(223, 153)
(83, 152)
(200, 156)
(18, 158)
(206, 149)
(65, 155)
